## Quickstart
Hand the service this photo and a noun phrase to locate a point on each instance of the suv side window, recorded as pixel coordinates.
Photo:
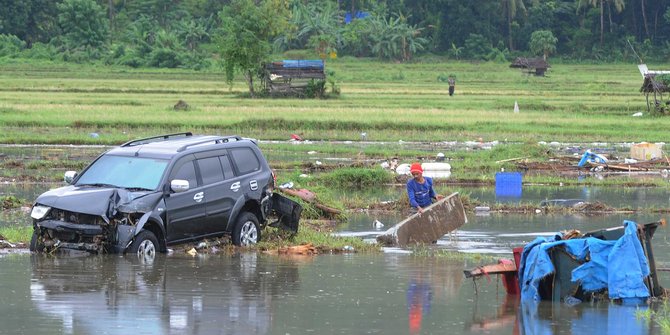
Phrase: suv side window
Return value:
(227, 167)
(210, 170)
(245, 160)
(187, 172)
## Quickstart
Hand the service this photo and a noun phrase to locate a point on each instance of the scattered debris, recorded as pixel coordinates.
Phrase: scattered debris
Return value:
(590, 157)
(645, 151)
(309, 197)
(561, 202)
(192, 252)
(296, 137)
(430, 169)
(377, 224)
(436, 220)
(512, 159)
(305, 249)
(614, 263)
(207, 244)
(5, 243)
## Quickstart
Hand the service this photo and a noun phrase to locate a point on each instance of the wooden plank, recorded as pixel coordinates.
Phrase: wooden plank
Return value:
(310, 197)
(490, 269)
(436, 220)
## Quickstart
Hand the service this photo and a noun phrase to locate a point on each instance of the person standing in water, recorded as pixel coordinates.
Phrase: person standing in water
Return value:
(420, 189)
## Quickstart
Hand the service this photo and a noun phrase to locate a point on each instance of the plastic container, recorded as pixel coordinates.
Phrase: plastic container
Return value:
(508, 184)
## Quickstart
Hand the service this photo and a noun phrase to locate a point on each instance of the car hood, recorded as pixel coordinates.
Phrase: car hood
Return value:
(98, 200)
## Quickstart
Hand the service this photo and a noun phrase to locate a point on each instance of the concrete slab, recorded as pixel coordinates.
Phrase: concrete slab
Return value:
(436, 220)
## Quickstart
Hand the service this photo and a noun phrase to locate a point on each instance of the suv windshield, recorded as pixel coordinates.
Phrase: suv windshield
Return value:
(125, 172)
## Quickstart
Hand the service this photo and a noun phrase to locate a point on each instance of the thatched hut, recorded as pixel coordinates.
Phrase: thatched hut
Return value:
(537, 66)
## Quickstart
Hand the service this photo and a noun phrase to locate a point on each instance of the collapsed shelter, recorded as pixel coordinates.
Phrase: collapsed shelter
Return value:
(295, 77)
(655, 83)
(537, 66)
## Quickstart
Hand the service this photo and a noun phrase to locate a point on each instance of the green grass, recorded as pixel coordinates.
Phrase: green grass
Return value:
(16, 234)
(62, 104)
(660, 317)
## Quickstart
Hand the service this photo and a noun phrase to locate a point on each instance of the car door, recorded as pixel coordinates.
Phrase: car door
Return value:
(186, 211)
(248, 181)
(217, 173)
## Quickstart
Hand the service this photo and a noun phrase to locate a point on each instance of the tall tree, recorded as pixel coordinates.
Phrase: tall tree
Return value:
(83, 23)
(30, 20)
(618, 4)
(544, 42)
(247, 29)
(510, 9)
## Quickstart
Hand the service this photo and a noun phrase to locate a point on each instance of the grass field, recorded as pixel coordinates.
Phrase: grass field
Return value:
(390, 102)
(42, 103)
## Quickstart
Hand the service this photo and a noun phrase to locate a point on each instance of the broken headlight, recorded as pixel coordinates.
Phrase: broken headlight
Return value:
(39, 212)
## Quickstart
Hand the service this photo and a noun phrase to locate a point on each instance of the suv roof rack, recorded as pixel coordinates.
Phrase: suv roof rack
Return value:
(155, 139)
(216, 140)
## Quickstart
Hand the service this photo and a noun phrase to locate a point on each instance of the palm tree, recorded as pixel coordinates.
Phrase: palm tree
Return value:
(510, 8)
(618, 4)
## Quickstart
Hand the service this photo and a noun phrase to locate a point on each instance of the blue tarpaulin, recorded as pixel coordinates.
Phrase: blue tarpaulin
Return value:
(303, 63)
(620, 266)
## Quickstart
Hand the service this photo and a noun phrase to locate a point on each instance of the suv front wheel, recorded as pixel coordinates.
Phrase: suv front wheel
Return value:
(145, 245)
(247, 230)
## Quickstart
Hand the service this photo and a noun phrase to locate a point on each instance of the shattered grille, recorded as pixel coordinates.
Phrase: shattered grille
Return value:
(78, 218)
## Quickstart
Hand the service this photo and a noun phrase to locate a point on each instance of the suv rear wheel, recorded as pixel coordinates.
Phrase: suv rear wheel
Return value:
(246, 231)
(145, 245)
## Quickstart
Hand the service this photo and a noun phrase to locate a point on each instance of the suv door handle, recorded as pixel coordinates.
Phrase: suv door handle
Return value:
(235, 186)
(199, 196)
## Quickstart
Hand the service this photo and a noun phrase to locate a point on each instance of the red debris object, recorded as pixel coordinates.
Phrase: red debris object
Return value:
(296, 137)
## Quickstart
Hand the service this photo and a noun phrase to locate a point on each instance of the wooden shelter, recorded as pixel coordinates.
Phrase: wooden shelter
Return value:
(295, 77)
(537, 66)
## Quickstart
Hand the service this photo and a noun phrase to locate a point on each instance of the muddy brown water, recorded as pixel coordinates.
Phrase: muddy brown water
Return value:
(393, 292)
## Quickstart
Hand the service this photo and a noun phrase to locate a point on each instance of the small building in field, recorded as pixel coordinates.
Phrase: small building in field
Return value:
(537, 66)
(295, 78)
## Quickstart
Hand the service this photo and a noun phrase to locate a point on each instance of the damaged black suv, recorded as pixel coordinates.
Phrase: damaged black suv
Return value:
(149, 193)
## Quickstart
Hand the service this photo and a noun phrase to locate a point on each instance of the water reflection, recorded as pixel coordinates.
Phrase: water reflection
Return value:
(419, 297)
(505, 316)
(606, 318)
(201, 295)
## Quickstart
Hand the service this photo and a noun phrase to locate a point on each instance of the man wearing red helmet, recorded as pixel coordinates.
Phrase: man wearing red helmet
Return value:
(420, 189)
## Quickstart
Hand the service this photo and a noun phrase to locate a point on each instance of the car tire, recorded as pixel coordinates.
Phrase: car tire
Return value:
(247, 230)
(35, 244)
(144, 246)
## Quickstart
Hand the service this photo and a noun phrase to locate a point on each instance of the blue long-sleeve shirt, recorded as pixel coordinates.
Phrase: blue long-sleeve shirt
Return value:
(420, 194)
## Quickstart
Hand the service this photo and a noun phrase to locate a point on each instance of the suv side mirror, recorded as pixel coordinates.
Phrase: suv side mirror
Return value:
(179, 185)
(69, 176)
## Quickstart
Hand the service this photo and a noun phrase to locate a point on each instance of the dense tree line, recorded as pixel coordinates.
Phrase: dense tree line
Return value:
(198, 33)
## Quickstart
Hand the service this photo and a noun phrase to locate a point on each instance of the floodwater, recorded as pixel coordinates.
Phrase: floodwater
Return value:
(393, 292)
(250, 293)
